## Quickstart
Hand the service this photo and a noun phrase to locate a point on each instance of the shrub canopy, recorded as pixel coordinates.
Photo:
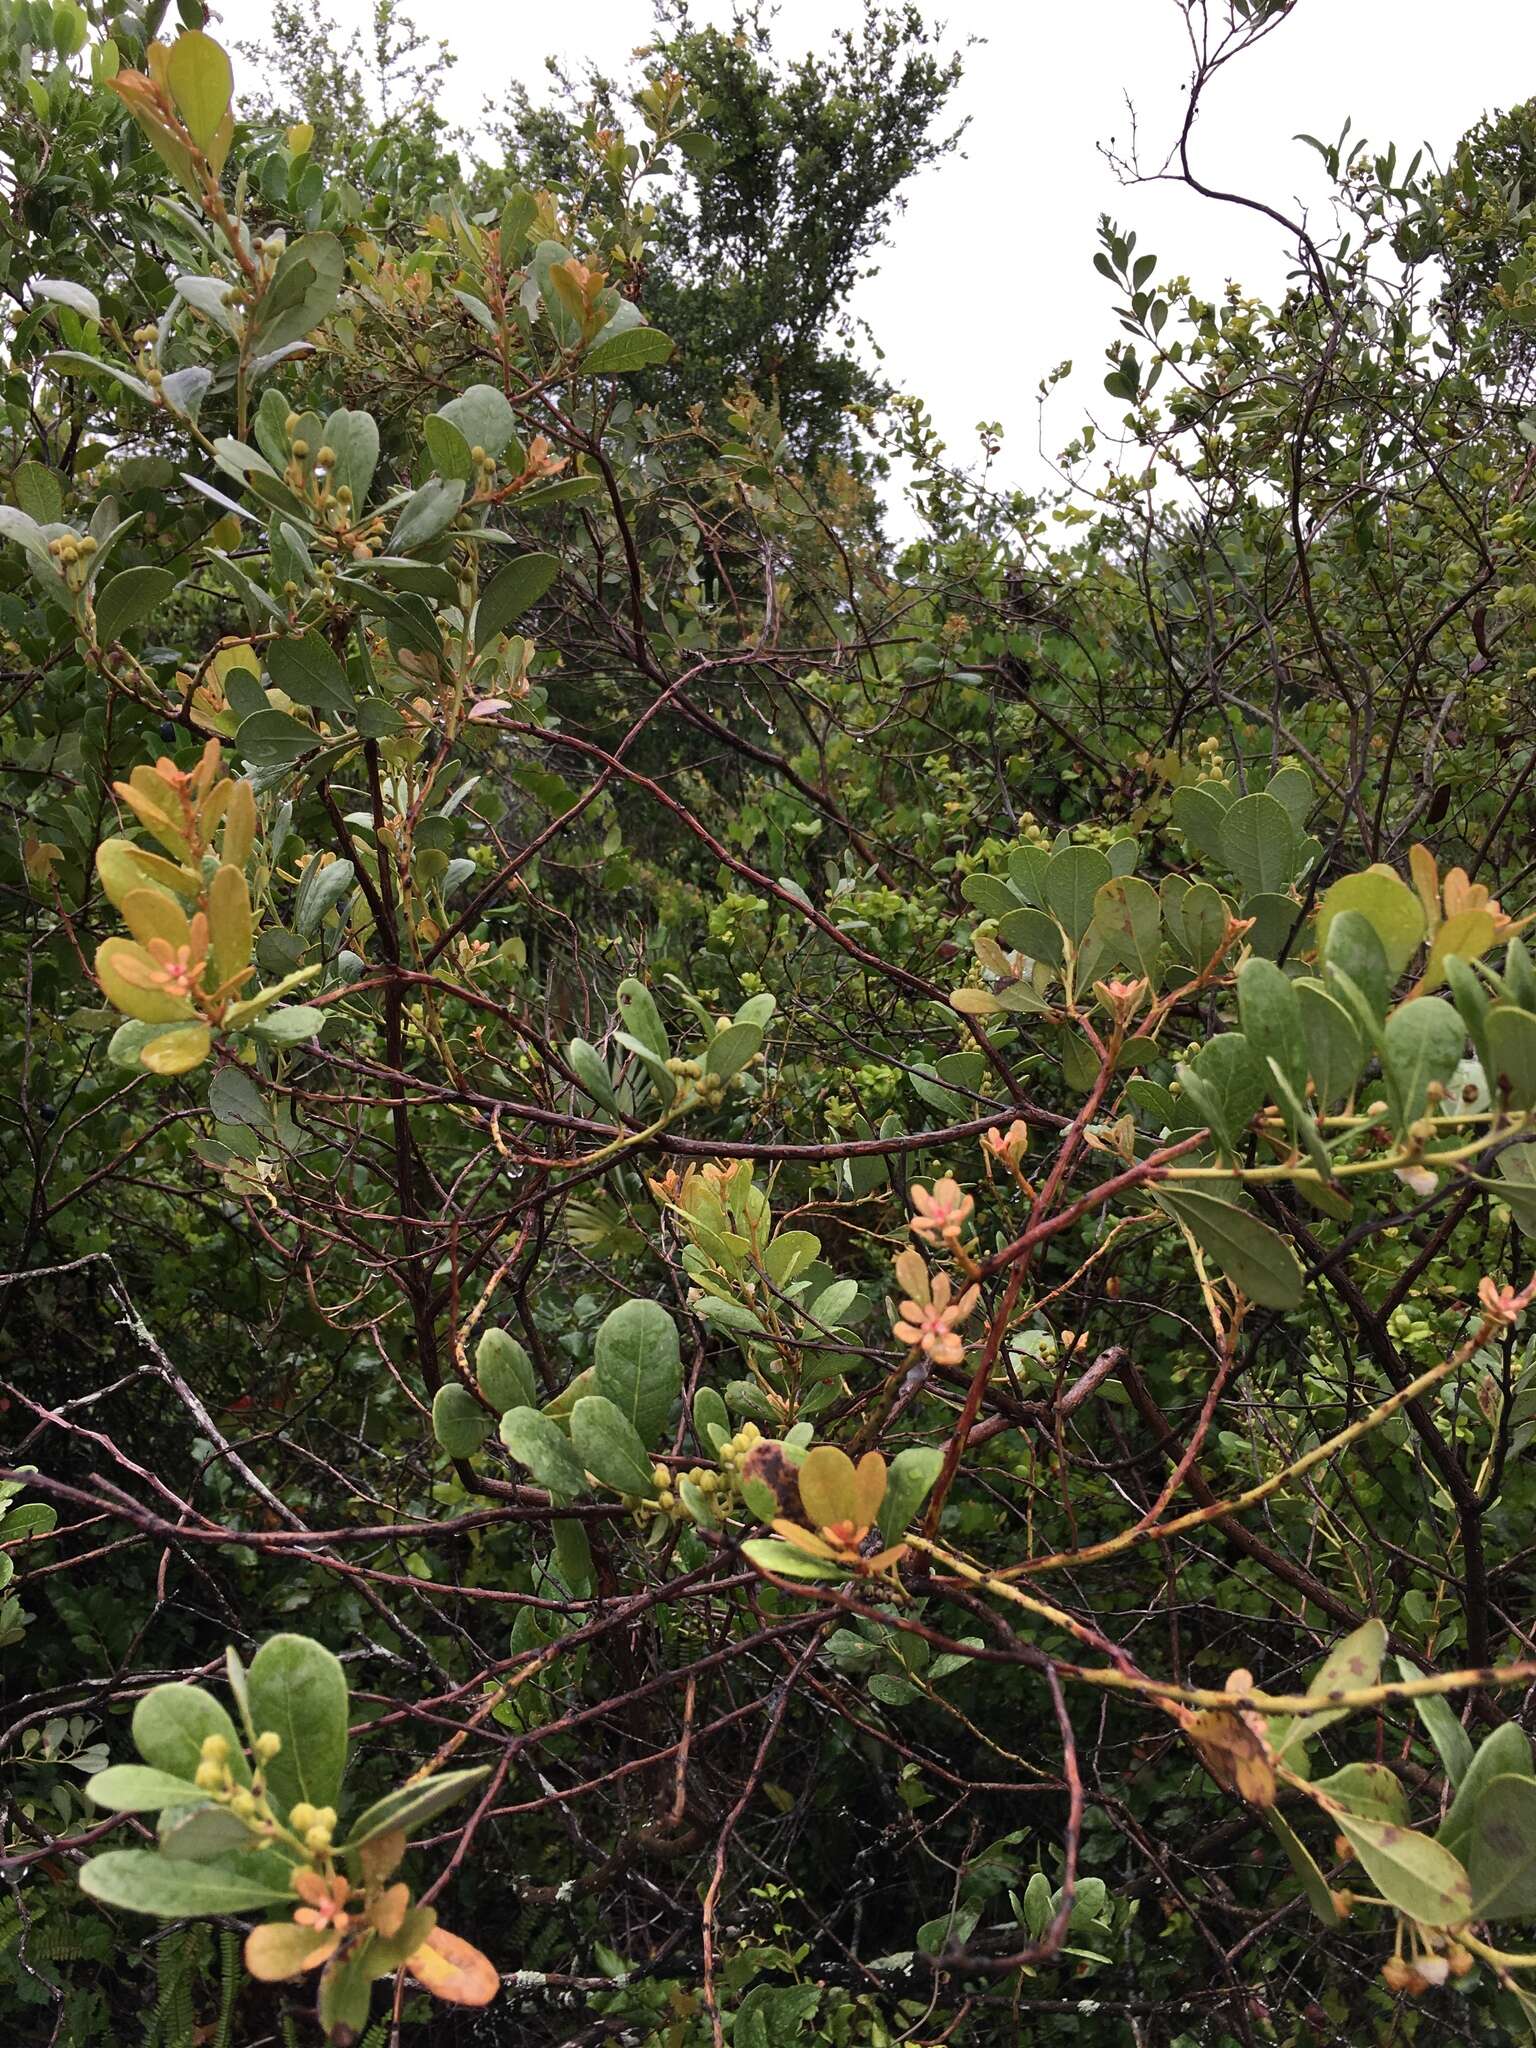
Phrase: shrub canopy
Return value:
(807, 1254)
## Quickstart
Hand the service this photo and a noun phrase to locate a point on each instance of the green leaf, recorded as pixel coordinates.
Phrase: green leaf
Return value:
(303, 291)
(1270, 1012)
(198, 1834)
(1420, 1877)
(1318, 1894)
(729, 1050)
(505, 1372)
(39, 492)
(1073, 878)
(483, 416)
(201, 83)
(910, 1478)
(710, 1415)
(1033, 932)
(143, 1881)
(299, 1690)
(346, 1991)
(641, 1018)
(1421, 1043)
(135, 1788)
(1276, 925)
(1516, 1166)
(73, 361)
(1251, 1255)
(515, 586)
(1293, 788)
(448, 450)
(637, 1363)
(305, 668)
(275, 739)
(1199, 810)
(1353, 947)
(62, 291)
(459, 1422)
(355, 438)
(427, 514)
(409, 1806)
(1129, 914)
(1511, 1036)
(170, 1725)
(563, 323)
(1473, 1001)
(129, 599)
(320, 886)
(606, 1442)
(1203, 913)
(1226, 1088)
(1387, 904)
(636, 348)
(1334, 1053)
(993, 898)
(1451, 1740)
(771, 1554)
(788, 1256)
(1501, 1858)
(591, 1070)
(830, 1307)
(1258, 843)
(293, 1024)
(544, 1448)
(1504, 1752)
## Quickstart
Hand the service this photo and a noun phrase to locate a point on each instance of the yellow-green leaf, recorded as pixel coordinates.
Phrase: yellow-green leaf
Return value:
(201, 83)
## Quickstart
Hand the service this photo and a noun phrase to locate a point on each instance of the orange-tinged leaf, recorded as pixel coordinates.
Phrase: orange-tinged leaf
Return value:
(381, 1855)
(229, 922)
(311, 1887)
(829, 1489)
(802, 1539)
(117, 961)
(912, 1275)
(240, 825)
(1425, 871)
(123, 866)
(212, 807)
(454, 1970)
(390, 1908)
(281, 1949)
(1466, 933)
(869, 1487)
(151, 913)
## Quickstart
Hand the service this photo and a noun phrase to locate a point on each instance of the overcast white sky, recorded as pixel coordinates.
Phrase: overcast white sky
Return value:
(989, 282)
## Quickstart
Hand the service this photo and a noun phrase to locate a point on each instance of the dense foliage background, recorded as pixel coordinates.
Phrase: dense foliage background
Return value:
(1042, 1002)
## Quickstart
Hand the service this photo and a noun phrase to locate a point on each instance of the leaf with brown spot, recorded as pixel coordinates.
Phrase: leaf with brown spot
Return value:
(1353, 1663)
(1234, 1755)
(1411, 1872)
